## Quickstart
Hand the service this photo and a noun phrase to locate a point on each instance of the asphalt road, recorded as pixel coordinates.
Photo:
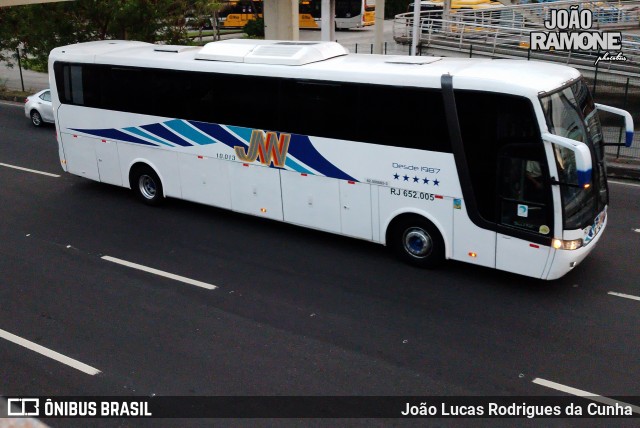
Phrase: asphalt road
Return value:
(295, 312)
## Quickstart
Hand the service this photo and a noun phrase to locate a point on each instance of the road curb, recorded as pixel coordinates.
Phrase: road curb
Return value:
(14, 98)
(620, 171)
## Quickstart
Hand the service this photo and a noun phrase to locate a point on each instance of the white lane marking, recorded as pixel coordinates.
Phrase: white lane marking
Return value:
(588, 395)
(626, 296)
(623, 183)
(49, 353)
(160, 272)
(35, 171)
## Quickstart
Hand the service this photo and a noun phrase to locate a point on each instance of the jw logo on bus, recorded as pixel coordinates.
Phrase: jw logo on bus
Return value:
(266, 147)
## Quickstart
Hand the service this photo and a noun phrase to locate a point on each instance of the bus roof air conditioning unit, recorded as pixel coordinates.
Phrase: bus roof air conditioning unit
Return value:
(270, 52)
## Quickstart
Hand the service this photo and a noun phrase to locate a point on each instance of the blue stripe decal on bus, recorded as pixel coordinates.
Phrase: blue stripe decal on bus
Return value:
(244, 133)
(295, 166)
(301, 148)
(148, 136)
(187, 131)
(162, 132)
(218, 133)
(114, 134)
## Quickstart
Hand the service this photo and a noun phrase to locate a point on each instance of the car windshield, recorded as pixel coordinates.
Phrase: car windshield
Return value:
(571, 113)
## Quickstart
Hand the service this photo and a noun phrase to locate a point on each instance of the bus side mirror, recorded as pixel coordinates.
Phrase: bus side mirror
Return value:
(628, 122)
(580, 153)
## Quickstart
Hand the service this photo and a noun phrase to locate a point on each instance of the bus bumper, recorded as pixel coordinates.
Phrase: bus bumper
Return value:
(565, 260)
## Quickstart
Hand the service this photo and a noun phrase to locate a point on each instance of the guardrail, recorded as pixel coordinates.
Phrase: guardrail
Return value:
(606, 14)
(487, 33)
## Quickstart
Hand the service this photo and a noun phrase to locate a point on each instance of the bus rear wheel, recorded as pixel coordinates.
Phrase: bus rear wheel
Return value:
(146, 184)
(416, 241)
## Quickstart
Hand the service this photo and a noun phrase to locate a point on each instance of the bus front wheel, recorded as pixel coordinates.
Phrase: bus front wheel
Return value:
(416, 241)
(146, 184)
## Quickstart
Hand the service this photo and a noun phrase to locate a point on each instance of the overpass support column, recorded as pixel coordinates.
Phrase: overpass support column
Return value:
(378, 33)
(281, 20)
(328, 20)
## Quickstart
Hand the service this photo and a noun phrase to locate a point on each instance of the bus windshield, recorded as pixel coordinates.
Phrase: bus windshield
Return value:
(571, 113)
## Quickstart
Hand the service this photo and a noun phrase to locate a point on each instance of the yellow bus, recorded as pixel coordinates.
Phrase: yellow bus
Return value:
(349, 13)
(432, 5)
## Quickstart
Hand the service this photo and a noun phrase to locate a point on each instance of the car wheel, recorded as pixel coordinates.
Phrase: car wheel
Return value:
(147, 185)
(36, 119)
(416, 241)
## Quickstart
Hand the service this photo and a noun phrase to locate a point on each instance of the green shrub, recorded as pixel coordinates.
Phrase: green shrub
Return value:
(255, 28)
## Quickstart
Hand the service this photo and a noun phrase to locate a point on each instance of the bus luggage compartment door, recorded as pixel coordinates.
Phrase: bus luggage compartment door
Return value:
(255, 190)
(108, 162)
(311, 200)
(80, 154)
(205, 180)
(355, 203)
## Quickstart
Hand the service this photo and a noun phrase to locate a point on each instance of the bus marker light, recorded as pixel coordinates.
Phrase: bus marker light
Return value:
(439, 197)
(586, 186)
(472, 254)
(303, 174)
(200, 157)
(245, 164)
(534, 246)
(556, 243)
(104, 141)
(75, 136)
(263, 210)
(351, 182)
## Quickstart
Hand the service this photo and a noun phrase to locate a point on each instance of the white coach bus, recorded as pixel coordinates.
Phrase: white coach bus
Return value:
(497, 163)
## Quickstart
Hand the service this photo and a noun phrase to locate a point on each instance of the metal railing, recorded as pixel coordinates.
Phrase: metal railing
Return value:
(606, 14)
(490, 33)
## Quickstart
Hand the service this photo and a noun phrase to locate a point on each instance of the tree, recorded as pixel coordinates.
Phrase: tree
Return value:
(85, 20)
(207, 10)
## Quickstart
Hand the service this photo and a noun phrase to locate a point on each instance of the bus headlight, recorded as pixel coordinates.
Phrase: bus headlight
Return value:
(572, 244)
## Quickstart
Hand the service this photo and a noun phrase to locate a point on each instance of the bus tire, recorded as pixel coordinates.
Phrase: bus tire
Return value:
(416, 241)
(146, 184)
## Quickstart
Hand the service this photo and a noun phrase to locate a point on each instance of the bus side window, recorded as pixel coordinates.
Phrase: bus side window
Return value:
(318, 108)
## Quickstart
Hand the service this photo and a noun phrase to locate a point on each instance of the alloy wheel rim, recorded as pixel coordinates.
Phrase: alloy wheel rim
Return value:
(147, 187)
(417, 242)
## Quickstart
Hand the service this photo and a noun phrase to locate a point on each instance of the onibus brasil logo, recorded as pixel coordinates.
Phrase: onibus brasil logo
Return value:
(572, 34)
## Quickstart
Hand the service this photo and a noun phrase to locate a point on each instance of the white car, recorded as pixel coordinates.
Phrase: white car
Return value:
(38, 107)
